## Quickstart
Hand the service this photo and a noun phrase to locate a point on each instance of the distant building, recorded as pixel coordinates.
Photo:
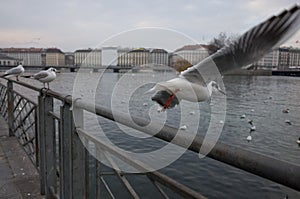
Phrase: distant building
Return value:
(69, 59)
(193, 53)
(269, 61)
(159, 56)
(30, 56)
(123, 57)
(294, 58)
(54, 57)
(9, 61)
(109, 56)
(88, 57)
(80, 56)
(283, 58)
(138, 57)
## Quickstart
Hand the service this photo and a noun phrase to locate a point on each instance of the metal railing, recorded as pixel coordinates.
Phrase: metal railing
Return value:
(67, 170)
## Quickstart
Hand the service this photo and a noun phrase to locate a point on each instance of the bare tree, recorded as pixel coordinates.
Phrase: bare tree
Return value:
(222, 40)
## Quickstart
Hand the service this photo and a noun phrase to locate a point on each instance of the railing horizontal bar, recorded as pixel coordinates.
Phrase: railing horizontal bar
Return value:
(54, 115)
(121, 177)
(23, 84)
(163, 179)
(107, 173)
(159, 189)
(107, 188)
(279, 171)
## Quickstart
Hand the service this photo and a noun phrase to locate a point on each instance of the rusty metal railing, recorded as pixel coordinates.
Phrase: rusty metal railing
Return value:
(67, 169)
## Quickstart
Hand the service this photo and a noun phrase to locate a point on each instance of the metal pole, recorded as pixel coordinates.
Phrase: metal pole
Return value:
(49, 140)
(67, 129)
(41, 144)
(10, 108)
(79, 189)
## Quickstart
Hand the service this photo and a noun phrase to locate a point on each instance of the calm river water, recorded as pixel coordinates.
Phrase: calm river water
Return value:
(261, 99)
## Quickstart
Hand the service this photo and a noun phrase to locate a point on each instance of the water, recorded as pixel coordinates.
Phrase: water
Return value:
(262, 99)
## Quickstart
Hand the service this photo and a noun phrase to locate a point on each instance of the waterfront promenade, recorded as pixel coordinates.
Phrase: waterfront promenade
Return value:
(18, 177)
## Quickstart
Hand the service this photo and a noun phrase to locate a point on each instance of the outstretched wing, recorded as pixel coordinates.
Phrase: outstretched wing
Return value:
(249, 48)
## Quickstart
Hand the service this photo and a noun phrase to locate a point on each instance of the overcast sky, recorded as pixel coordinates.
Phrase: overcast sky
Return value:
(76, 24)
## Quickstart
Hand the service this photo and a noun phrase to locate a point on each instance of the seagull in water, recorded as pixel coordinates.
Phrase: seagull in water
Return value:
(197, 83)
(45, 76)
(15, 71)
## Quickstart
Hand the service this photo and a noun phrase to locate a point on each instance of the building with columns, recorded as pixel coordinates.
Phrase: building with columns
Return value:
(30, 56)
(87, 57)
(54, 57)
(159, 56)
(192, 53)
(9, 61)
(284, 58)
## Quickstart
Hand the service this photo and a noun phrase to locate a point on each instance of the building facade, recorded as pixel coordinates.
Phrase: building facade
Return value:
(294, 58)
(30, 56)
(9, 61)
(109, 56)
(123, 57)
(193, 53)
(54, 57)
(87, 57)
(284, 58)
(138, 57)
(269, 61)
(69, 59)
(159, 56)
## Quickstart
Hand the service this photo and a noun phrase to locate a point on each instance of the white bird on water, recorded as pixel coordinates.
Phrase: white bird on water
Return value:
(45, 76)
(14, 72)
(249, 48)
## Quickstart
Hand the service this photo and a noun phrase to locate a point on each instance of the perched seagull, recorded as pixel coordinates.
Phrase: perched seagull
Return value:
(15, 71)
(45, 76)
(190, 85)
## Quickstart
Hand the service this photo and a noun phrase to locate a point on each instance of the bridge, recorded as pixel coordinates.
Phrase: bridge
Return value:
(55, 145)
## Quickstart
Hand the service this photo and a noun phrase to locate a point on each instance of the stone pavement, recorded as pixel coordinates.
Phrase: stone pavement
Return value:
(18, 176)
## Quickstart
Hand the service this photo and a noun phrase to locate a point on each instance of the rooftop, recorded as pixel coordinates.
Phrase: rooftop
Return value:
(192, 47)
(18, 50)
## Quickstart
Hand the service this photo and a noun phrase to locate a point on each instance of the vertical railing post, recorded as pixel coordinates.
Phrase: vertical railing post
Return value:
(79, 155)
(73, 168)
(47, 147)
(41, 144)
(10, 108)
(66, 131)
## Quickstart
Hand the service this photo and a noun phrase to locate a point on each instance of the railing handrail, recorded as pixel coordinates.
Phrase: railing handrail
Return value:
(279, 171)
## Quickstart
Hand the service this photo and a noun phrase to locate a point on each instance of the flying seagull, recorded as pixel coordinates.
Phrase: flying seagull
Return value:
(197, 83)
(15, 71)
(45, 76)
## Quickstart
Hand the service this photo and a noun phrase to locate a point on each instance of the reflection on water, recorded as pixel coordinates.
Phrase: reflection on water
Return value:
(261, 99)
